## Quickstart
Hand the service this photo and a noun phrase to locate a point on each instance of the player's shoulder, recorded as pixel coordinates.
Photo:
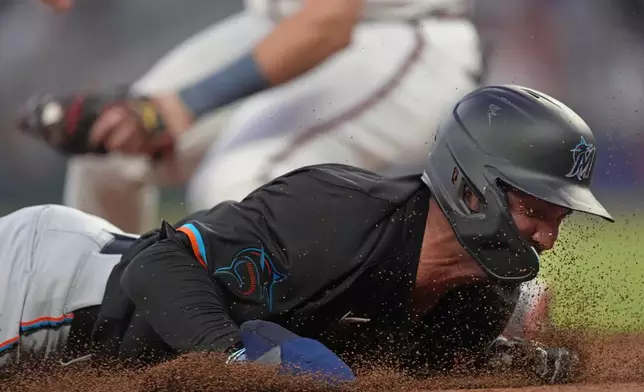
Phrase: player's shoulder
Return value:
(355, 180)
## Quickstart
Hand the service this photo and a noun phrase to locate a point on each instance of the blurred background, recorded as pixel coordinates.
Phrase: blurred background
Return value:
(588, 53)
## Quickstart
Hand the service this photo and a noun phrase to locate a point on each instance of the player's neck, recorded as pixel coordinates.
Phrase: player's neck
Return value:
(443, 263)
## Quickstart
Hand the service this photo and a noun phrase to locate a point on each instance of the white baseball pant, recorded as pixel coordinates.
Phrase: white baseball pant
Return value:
(50, 266)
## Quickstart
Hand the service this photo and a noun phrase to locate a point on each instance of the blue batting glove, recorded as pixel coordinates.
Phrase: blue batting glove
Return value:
(269, 343)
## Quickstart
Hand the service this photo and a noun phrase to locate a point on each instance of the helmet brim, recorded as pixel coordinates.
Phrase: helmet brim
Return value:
(557, 191)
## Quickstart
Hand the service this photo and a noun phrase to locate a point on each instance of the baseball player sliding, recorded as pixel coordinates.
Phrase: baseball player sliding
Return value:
(328, 256)
(375, 75)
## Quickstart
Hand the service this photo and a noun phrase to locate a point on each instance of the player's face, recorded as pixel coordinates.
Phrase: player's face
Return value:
(537, 220)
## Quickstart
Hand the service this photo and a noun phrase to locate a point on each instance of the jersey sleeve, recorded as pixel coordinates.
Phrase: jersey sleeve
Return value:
(170, 285)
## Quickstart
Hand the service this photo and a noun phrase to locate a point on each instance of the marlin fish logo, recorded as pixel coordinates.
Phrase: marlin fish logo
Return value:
(254, 275)
(583, 158)
(492, 111)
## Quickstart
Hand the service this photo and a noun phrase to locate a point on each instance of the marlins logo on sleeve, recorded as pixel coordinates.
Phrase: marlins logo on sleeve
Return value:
(253, 275)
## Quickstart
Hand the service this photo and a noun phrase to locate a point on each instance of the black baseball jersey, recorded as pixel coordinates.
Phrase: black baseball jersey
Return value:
(328, 251)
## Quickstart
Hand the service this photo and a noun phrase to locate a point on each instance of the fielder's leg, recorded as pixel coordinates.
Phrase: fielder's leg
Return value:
(354, 109)
(124, 190)
(114, 187)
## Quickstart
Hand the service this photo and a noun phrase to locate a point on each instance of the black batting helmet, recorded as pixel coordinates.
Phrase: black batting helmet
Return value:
(521, 137)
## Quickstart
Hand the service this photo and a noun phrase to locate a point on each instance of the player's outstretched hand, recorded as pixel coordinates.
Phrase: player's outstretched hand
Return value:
(553, 365)
(556, 364)
(269, 343)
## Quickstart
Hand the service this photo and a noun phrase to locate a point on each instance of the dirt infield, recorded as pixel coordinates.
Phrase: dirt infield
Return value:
(615, 387)
(613, 363)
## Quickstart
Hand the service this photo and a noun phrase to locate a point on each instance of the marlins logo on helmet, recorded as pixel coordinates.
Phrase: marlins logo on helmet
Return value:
(583, 157)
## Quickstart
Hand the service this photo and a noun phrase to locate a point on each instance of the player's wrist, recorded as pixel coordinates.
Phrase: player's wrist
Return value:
(175, 115)
(240, 79)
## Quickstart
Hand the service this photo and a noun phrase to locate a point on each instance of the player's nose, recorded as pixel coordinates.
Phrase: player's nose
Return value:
(545, 238)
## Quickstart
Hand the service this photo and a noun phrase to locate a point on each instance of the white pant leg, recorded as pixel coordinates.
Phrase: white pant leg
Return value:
(114, 187)
(124, 189)
(50, 266)
(375, 105)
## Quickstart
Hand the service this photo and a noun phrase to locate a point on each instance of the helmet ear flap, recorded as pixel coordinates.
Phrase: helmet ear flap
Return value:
(482, 222)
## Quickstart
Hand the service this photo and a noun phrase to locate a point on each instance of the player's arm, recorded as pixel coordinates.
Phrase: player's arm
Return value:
(297, 44)
(531, 316)
(304, 40)
(118, 121)
(537, 320)
(171, 286)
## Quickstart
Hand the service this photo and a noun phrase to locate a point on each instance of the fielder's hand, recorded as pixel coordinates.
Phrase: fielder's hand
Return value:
(553, 365)
(113, 120)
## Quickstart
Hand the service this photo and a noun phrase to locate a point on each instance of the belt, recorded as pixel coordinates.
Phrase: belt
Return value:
(118, 245)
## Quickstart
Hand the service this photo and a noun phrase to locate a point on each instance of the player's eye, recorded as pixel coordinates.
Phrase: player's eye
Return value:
(535, 214)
